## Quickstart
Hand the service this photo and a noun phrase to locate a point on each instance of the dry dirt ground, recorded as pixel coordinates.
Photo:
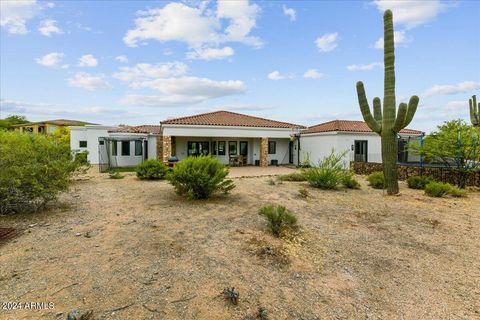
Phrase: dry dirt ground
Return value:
(130, 249)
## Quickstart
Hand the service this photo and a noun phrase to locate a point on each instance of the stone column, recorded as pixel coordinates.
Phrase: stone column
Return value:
(160, 148)
(264, 152)
(167, 147)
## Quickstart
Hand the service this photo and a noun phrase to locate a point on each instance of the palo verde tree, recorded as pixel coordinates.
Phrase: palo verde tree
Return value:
(388, 123)
(474, 111)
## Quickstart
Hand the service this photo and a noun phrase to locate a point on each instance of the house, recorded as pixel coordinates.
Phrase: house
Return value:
(231, 136)
(47, 126)
(354, 137)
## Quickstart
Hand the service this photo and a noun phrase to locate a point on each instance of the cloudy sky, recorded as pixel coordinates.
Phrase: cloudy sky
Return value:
(137, 62)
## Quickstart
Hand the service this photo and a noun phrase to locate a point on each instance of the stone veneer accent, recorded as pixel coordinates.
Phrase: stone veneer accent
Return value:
(264, 152)
(160, 147)
(166, 147)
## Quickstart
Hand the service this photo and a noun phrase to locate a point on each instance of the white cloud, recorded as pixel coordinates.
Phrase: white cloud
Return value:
(327, 42)
(89, 81)
(49, 27)
(87, 60)
(457, 105)
(411, 13)
(312, 74)
(204, 26)
(276, 75)
(364, 67)
(289, 12)
(146, 71)
(51, 59)
(210, 53)
(447, 89)
(15, 14)
(399, 37)
(122, 59)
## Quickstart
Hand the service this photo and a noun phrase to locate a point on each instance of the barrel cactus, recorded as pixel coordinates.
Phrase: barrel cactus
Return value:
(474, 111)
(389, 122)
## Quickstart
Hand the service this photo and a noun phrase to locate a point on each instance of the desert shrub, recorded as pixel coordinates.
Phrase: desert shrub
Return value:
(199, 177)
(419, 182)
(151, 170)
(279, 219)
(437, 189)
(329, 173)
(295, 176)
(115, 175)
(349, 181)
(303, 193)
(456, 192)
(34, 169)
(376, 180)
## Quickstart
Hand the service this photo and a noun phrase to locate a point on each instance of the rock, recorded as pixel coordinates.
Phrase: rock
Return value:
(78, 234)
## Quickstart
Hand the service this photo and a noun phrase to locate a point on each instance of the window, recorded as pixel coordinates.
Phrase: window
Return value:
(221, 148)
(244, 148)
(214, 148)
(114, 148)
(138, 148)
(272, 147)
(125, 148)
(101, 142)
(196, 148)
(232, 148)
(83, 144)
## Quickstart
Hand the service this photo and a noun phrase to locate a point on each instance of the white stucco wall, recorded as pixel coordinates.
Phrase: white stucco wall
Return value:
(219, 131)
(152, 147)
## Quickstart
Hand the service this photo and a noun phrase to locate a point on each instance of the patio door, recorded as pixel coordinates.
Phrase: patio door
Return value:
(244, 148)
(361, 150)
(197, 148)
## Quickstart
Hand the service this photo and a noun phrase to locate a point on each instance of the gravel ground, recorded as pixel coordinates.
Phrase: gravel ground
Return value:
(130, 249)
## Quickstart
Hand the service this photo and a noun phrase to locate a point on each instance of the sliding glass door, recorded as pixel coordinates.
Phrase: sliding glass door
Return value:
(197, 148)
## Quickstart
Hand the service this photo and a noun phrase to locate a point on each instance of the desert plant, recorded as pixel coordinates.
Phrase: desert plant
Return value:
(349, 181)
(376, 180)
(199, 177)
(388, 124)
(115, 175)
(34, 170)
(474, 111)
(151, 170)
(419, 182)
(457, 192)
(437, 189)
(295, 176)
(303, 193)
(329, 172)
(279, 219)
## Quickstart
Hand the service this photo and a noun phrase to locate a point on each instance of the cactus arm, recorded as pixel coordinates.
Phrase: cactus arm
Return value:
(412, 108)
(401, 116)
(474, 111)
(365, 109)
(377, 109)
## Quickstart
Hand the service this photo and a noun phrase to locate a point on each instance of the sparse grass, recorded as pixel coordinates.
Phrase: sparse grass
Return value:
(295, 176)
(280, 220)
(303, 193)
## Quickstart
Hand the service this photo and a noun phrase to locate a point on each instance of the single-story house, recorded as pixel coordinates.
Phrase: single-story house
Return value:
(47, 126)
(232, 138)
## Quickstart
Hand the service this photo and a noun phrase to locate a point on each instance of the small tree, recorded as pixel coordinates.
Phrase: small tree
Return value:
(11, 120)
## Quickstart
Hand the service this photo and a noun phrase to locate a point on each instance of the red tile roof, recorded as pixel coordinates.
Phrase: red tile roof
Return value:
(347, 126)
(228, 118)
(138, 129)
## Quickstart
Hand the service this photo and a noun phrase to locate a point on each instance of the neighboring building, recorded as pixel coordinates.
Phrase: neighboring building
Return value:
(47, 126)
(231, 136)
(355, 137)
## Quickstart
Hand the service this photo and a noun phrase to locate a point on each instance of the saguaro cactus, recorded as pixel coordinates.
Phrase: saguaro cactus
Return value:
(474, 111)
(388, 123)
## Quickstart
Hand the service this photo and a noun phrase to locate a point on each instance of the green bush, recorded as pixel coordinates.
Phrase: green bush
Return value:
(376, 180)
(437, 189)
(349, 181)
(329, 173)
(151, 170)
(295, 176)
(456, 192)
(280, 220)
(199, 177)
(34, 169)
(419, 182)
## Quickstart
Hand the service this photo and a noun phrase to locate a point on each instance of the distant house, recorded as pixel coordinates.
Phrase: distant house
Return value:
(232, 138)
(47, 126)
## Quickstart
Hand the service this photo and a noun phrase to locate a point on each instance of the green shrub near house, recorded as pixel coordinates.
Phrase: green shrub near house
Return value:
(151, 170)
(376, 180)
(440, 189)
(280, 220)
(294, 176)
(419, 182)
(34, 170)
(199, 177)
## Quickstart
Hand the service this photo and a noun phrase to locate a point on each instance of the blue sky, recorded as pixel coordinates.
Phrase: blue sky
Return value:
(135, 62)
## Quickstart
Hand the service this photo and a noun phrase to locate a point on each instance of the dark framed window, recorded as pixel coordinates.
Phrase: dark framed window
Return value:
(138, 148)
(114, 148)
(221, 148)
(101, 142)
(272, 147)
(243, 148)
(232, 148)
(214, 148)
(125, 148)
(196, 148)
(83, 144)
